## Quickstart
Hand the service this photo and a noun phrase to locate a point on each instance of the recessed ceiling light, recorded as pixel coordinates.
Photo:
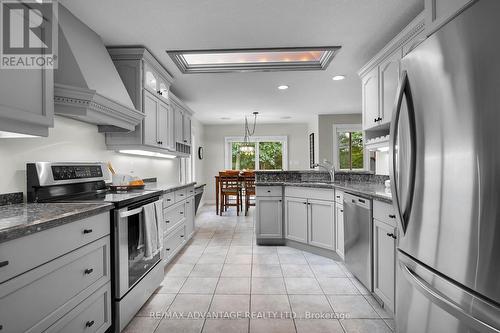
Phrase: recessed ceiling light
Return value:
(254, 60)
(338, 77)
(283, 87)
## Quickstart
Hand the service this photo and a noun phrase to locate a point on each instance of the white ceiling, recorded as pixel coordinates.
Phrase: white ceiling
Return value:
(361, 27)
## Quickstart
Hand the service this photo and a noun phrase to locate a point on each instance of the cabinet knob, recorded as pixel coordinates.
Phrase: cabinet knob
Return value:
(182, 236)
(391, 235)
(89, 323)
(392, 216)
(374, 120)
(87, 231)
(305, 203)
(167, 249)
(181, 213)
(167, 221)
(341, 210)
(4, 263)
(88, 271)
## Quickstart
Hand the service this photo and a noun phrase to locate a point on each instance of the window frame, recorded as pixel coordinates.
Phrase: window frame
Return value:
(230, 139)
(347, 128)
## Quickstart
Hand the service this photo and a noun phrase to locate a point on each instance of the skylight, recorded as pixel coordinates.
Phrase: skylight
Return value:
(254, 60)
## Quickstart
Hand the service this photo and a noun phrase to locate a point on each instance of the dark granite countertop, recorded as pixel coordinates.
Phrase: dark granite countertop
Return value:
(367, 189)
(166, 188)
(24, 219)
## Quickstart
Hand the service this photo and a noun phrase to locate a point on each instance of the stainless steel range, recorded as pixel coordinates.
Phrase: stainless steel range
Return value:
(134, 276)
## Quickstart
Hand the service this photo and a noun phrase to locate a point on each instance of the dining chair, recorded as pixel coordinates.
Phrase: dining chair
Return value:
(249, 181)
(230, 187)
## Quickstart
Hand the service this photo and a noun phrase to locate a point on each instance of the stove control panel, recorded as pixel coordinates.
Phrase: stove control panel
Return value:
(67, 172)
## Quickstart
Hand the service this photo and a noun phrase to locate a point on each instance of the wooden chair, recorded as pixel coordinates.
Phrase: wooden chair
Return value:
(249, 179)
(230, 186)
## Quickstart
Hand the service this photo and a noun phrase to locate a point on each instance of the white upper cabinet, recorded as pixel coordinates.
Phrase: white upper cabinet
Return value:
(439, 12)
(26, 101)
(380, 76)
(370, 95)
(388, 83)
(163, 126)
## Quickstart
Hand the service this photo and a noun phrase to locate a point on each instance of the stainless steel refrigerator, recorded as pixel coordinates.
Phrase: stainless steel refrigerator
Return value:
(445, 171)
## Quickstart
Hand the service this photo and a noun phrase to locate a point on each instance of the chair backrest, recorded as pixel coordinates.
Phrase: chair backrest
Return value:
(229, 179)
(249, 178)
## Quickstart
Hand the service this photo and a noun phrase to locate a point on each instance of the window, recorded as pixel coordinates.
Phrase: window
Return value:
(349, 148)
(269, 153)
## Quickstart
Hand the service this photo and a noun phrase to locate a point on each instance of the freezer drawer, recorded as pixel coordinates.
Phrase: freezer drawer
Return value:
(427, 303)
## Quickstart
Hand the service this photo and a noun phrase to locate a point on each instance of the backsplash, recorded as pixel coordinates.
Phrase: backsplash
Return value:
(11, 198)
(297, 176)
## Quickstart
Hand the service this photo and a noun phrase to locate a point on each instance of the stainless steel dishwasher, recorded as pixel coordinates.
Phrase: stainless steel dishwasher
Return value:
(358, 238)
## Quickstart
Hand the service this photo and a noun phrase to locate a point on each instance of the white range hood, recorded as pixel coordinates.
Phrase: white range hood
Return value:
(87, 86)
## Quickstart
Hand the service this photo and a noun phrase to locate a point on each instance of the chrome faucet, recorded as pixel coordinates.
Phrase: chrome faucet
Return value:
(328, 166)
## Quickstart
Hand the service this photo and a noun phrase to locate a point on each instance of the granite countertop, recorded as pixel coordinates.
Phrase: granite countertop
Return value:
(166, 188)
(20, 220)
(368, 189)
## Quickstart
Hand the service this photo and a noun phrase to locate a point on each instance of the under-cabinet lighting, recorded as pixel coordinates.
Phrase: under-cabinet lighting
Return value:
(146, 153)
(383, 149)
(283, 87)
(12, 135)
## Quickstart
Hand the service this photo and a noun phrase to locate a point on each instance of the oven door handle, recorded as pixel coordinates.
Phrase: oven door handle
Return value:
(136, 211)
(131, 212)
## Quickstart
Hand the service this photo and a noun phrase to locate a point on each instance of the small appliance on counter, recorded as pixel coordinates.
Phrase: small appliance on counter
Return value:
(134, 275)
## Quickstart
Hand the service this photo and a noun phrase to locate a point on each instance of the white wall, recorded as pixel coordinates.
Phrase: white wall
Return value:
(71, 140)
(298, 147)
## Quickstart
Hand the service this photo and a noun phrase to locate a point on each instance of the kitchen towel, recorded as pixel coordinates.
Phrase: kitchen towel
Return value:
(151, 232)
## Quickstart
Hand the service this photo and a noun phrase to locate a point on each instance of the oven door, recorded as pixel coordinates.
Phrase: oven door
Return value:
(130, 263)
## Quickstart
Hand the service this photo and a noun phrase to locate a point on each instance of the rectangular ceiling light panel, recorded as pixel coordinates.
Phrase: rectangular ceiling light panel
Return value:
(254, 60)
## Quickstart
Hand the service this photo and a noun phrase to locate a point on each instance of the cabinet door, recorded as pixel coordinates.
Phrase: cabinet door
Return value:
(321, 223)
(389, 79)
(370, 96)
(150, 79)
(269, 217)
(438, 12)
(384, 263)
(189, 216)
(339, 235)
(179, 126)
(150, 120)
(186, 125)
(296, 219)
(163, 124)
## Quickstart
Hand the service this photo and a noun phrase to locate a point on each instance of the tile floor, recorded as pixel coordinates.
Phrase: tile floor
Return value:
(223, 272)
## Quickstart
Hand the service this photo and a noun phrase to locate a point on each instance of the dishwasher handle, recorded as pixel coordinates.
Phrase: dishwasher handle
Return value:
(358, 201)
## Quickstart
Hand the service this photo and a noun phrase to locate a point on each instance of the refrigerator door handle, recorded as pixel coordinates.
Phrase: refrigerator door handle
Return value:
(402, 209)
(448, 305)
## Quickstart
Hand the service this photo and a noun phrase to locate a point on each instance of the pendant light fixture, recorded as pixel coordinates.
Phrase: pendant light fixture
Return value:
(247, 147)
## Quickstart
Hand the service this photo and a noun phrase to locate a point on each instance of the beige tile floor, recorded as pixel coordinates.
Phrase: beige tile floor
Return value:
(273, 289)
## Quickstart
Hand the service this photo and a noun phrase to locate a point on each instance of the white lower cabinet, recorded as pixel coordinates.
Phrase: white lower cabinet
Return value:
(296, 219)
(384, 262)
(269, 217)
(68, 292)
(339, 234)
(178, 214)
(321, 221)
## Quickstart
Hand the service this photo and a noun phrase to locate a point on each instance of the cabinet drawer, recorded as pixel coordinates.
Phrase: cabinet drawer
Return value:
(190, 191)
(92, 315)
(174, 241)
(173, 216)
(310, 193)
(339, 197)
(180, 195)
(37, 298)
(269, 191)
(34, 250)
(168, 199)
(384, 212)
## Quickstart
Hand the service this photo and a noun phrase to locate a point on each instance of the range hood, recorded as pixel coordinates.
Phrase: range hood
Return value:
(87, 86)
